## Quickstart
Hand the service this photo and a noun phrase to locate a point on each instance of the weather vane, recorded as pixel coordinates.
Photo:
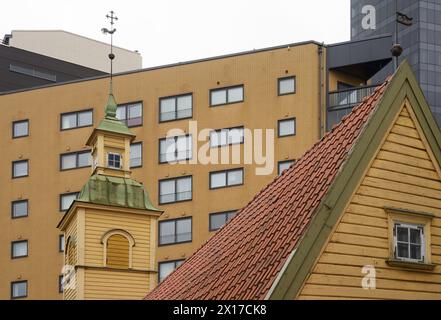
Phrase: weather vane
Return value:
(112, 17)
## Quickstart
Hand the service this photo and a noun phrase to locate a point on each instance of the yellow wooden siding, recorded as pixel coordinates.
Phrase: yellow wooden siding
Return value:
(98, 223)
(117, 251)
(401, 176)
(70, 293)
(117, 143)
(101, 284)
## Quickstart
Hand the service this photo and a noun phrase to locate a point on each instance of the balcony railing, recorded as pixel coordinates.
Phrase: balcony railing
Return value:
(348, 98)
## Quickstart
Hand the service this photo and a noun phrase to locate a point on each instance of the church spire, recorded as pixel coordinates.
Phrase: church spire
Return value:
(111, 106)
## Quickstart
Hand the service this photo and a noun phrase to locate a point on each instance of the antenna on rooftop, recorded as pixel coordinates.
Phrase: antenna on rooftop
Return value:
(113, 18)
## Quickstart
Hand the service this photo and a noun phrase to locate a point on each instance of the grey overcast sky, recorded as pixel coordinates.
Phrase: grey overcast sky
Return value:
(169, 31)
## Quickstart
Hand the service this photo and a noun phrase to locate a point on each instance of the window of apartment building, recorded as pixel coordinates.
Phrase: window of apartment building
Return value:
(166, 268)
(33, 72)
(19, 209)
(409, 242)
(61, 243)
(20, 128)
(77, 119)
(286, 85)
(218, 220)
(75, 160)
(136, 155)
(20, 169)
(175, 231)
(175, 108)
(114, 160)
(173, 149)
(60, 283)
(287, 127)
(130, 114)
(67, 199)
(284, 165)
(226, 178)
(19, 289)
(225, 137)
(175, 190)
(226, 95)
(19, 249)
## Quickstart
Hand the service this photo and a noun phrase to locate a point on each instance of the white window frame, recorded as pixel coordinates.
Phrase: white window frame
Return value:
(120, 160)
(409, 226)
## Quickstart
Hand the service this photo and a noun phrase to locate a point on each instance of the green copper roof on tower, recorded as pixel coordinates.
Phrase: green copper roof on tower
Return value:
(111, 106)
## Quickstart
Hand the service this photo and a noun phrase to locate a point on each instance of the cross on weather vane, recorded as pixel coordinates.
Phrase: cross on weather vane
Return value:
(112, 17)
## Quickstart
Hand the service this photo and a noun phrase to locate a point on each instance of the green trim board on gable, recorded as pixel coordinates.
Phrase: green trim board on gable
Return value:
(403, 85)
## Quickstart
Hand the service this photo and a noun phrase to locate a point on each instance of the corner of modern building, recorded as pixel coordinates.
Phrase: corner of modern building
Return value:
(297, 90)
(421, 41)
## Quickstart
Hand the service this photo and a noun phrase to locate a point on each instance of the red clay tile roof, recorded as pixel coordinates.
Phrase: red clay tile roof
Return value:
(242, 260)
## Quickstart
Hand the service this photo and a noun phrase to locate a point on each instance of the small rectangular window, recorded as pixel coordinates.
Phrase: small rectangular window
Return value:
(67, 199)
(136, 155)
(60, 283)
(19, 249)
(19, 209)
(174, 149)
(130, 114)
(175, 231)
(20, 169)
(77, 119)
(227, 178)
(284, 165)
(175, 190)
(114, 160)
(166, 268)
(226, 95)
(287, 127)
(75, 160)
(61, 243)
(218, 220)
(286, 85)
(176, 108)
(225, 137)
(19, 289)
(409, 242)
(20, 128)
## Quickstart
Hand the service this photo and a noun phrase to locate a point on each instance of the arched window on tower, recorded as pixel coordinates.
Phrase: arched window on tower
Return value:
(118, 249)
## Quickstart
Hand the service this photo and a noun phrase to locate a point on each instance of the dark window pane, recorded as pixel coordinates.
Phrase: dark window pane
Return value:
(415, 236)
(403, 234)
(415, 252)
(403, 250)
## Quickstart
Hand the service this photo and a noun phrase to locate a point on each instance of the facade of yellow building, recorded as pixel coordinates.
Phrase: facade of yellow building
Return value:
(45, 160)
(357, 217)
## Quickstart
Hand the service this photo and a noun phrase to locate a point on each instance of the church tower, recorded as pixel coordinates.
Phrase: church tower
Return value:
(111, 229)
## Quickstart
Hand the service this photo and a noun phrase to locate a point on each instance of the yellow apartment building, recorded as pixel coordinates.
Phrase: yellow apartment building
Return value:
(290, 89)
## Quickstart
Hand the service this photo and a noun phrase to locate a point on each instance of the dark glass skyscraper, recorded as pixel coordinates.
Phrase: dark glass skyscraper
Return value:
(421, 41)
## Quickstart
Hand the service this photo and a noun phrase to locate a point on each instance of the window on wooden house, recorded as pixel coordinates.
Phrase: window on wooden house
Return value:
(118, 252)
